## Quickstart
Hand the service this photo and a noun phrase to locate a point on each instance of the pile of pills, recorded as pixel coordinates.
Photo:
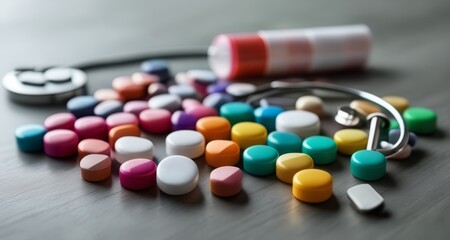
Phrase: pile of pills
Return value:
(200, 118)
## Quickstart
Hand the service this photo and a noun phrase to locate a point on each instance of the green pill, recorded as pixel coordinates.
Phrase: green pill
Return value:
(285, 142)
(420, 120)
(260, 160)
(322, 149)
(236, 112)
(368, 165)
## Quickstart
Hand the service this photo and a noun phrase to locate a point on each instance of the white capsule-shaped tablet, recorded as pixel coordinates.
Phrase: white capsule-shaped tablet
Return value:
(302, 123)
(240, 89)
(402, 154)
(130, 147)
(187, 143)
(169, 102)
(364, 197)
(177, 175)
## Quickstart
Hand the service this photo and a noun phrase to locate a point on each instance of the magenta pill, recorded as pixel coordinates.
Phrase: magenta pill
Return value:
(190, 103)
(60, 121)
(91, 127)
(202, 111)
(155, 121)
(60, 143)
(135, 107)
(137, 174)
(122, 118)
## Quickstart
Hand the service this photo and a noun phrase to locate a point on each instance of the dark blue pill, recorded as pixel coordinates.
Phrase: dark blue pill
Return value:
(394, 135)
(106, 108)
(157, 67)
(82, 106)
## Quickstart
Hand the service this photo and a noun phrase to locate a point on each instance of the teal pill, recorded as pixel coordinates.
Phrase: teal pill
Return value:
(260, 160)
(322, 149)
(236, 112)
(420, 120)
(284, 142)
(368, 165)
(30, 137)
(267, 116)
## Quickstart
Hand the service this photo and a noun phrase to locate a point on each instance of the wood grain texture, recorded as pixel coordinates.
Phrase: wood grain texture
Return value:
(44, 198)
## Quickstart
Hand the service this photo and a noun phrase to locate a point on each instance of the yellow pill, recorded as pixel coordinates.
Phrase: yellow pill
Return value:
(349, 141)
(399, 103)
(290, 163)
(364, 107)
(312, 185)
(247, 134)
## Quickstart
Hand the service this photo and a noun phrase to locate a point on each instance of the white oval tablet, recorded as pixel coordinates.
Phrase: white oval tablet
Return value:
(183, 91)
(402, 154)
(302, 123)
(240, 89)
(169, 102)
(130, 147)
(187, 143)
(364, 197)
(177, 175)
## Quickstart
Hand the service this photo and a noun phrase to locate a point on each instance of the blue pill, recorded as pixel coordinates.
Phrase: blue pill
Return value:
(394, 135)
(216, 100)
(236, 112)
(30, 137)
(157, 67)
(285, 142)
(106, 108)
(82, 106)
(204, 77)
(267, 115)
(260, 160)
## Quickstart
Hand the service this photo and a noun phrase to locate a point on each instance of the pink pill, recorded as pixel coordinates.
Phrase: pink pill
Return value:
(91, 127)
(144, 79)
(156, 121)
(60, 143)
(121, 118)
(202, 111)
(226, 181)
(190, 103)
(135, 107)
(138, 173)
(60, 121)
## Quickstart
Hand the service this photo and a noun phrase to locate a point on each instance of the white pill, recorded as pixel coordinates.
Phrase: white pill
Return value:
(183, 91)
(402, 154)
(364, 197)
(169, 102)
(310, 103)
(302, 123)
(130, 147)
(177, 175)
(240, 89)
(186, 143)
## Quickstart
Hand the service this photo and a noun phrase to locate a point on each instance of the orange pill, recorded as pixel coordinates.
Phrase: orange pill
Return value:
(122, 131)
(220, 153)
(213, 128)
(105, 94)
(144, 79)
(93, 146)
(128, 89)
(95, 167)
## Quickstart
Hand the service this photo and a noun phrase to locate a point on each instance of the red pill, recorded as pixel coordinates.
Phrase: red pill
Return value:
(91, 127)
(156, 121)
(60, 143)
(60, 121)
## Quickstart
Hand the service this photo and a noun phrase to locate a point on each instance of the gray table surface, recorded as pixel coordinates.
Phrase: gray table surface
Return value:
(45, 198)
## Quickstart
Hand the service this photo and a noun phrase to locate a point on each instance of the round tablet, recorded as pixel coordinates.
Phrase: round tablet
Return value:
(60, 121)
(217, 100)
(399, 103)
(60, 143)
(81, 106)
(183, 91)
(202, 111)
(122, 131)
(128, 89)
(219, 87)
(394, 135)
(105, 94)
(121, 118)
(220, 153)
(322, 149)
(349, 141)
(177, 175)
(30, 137)
(137, 174)
(364, 107)
(58, 75)
(420, 120)
(157, 67)
(312, 186)
(169, 102)
(108, 107)
(91, 127)
(311, 104)
(260, 160)
(267, 116)
(302, 123)
(95, 167)
(135, 107)
(186, 143)
(183, 121)
(368, 165)
(156, 89)
(226, 181)
(240, 89)
(237, 112)
(155, 121)
(93, 146)
(284, 142)
(247, 134)
(213, 128)
(290, 163)
(144, 79)
(130, 147)
(189, 103)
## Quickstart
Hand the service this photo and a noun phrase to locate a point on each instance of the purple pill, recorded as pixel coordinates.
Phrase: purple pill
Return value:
(183, 121)
(218, 87)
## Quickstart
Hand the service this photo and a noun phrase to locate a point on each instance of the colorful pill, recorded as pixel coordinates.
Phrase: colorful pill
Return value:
(135, 107)
(226, 181)
(312, 104)
(144, 79)
(364, 107)
(60, 143)
(260, 160)
(120, 118)
(155, 121)
(213, 128)
(138, 174)
(217, 100)
(177, 175)
(267, 116)
(368, 165)
(60, 121)
(186, 143)
(183, 91)
(128, 89)
(95, 167)
(189, 103)
(220, 153)
(323, 150)
(420, 120)
(108, 107)
(122, 131)
(349, 141)
(220, 87)
(302, 123)
(93, 146)
(30, 137)
(91, 127)
(247, 134)
(202, 111)
(130, 147)
(81, 106)
(289, 164)
(237, 112)
(284, 142)
(312, 186)
(394, 135)
(183, 121)
(399, 103)
(156, 89)
(159, 68)
(105, 94)
(169, 102)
